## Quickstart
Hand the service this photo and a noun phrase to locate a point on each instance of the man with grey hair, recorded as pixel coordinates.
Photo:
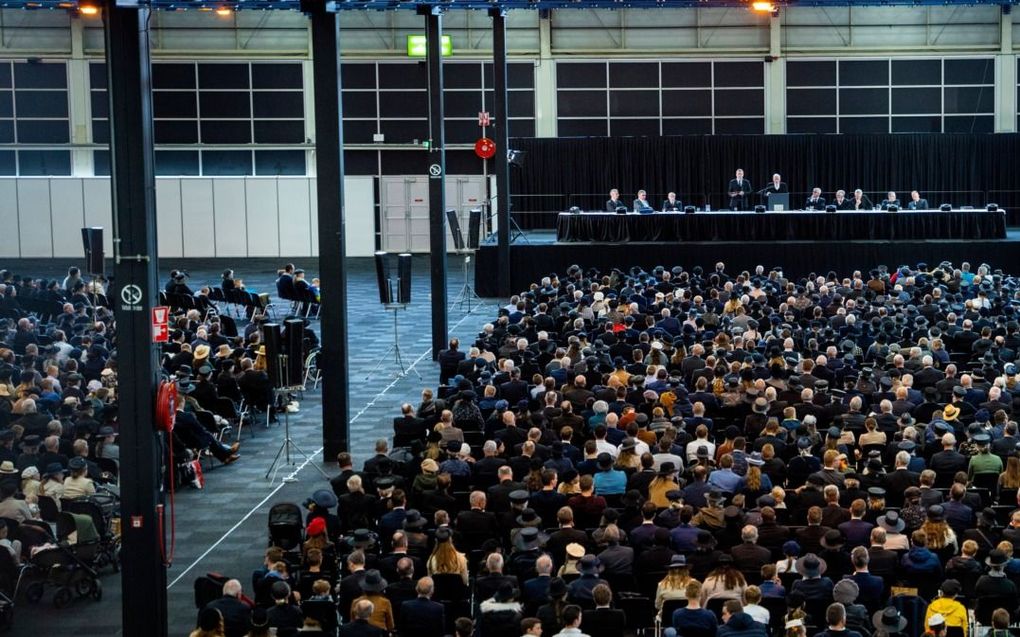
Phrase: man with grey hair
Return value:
(748, 556)
(536, 589)
(236, 614)
(487, 585)
(422, 616)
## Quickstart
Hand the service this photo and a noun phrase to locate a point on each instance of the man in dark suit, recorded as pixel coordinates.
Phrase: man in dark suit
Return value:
(498, 495)
(393, 521)
(738, 188)
(890, 200)
(236, 614)
(882, 562)
(614, 201)
(672, 204)
(815, 201)
(603, 621)
(748, 556)
(487, 585)
(360, 627)
(860, 201)
(841, 202)
(422, 616)
(407, 427)
(566, 534)
(476, 525)
(641, 203)
(514, 390)
(916, 203)
(448, 361)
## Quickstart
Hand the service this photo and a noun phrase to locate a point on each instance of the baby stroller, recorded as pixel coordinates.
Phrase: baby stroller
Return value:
(286, 526)
(67, 564)
(104, 509)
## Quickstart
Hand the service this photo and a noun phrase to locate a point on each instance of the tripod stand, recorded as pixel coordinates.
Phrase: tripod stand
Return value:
(395, 348)
(467, 291)
(516, 232)
(289, 443)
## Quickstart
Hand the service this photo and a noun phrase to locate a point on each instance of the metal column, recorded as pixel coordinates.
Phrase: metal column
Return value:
(329, 171)
(437, 176)
(502, 139)
(134, 239)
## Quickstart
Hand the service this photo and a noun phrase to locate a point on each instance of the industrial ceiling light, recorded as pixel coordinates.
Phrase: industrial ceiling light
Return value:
(224, 12)
(762, 6)
(88, 10)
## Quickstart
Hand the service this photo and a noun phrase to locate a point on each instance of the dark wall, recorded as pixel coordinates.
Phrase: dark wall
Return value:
(961, 169)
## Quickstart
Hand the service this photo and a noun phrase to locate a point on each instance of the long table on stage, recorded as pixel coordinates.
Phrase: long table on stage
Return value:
(608, 227)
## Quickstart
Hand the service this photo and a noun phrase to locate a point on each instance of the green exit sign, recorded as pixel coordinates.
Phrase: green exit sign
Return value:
(418, 48)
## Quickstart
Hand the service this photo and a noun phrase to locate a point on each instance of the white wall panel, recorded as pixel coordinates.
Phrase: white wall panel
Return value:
(262, 217)
(359, 216)
(68, 215)
(313, 211)
(169, 227)
(34, 222)
(295, 217)
(97, 200)
(230, 217)
(197, 216)
(10, 245)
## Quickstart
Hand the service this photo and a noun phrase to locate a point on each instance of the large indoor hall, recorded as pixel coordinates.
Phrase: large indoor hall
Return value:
(510, 318)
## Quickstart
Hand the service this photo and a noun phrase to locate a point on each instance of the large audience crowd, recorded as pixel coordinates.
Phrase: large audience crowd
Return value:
(707, 453)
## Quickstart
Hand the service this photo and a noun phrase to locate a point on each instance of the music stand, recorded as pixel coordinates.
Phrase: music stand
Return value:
(288, 443)
(395, 348)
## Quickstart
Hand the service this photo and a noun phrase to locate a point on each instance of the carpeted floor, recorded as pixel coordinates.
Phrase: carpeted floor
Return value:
(223, 527)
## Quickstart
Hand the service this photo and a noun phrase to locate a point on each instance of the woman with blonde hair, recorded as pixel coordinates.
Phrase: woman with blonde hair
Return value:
(628, 458)
(674, 584)
(755, 483)
(445, 558)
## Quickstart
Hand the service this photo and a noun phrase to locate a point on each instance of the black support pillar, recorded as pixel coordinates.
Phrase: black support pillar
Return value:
(329, 171)
(134, 293)
(502, 139)
(437, 176)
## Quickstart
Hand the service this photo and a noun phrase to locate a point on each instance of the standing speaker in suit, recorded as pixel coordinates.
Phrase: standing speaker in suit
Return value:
(739, 188)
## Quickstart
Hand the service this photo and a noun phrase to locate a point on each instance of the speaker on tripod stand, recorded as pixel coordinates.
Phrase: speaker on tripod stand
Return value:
(395, 297)
(465, 249)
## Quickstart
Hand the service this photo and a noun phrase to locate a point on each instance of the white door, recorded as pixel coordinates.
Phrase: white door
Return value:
(405, 209)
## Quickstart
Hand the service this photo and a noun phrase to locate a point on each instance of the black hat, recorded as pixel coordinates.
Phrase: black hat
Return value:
(519, 495)
(589, 565)
(936, 513)
(528, 538)
(876, 492)
(666, 468)
(529, 517)
(889, 621)
(443, 533)
(833, 539)
(891, 522)
(413, 519)
(373, 582)
(810, 565)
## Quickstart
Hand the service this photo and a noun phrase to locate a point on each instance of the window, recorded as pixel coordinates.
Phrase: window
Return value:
(897, 95)
(644, 98)
(391, 98)
(238, 106)
(34, 111)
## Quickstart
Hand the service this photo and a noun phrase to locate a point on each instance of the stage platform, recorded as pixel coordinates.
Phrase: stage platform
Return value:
(536, 253)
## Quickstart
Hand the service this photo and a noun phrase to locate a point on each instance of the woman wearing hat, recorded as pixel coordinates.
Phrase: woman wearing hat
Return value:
(889, 622)
(316, 538)
(446, 558)
(754, 483)
(574, 553)
(373, 587)
(662, 484)
(30, 484)
(78, 484)
(724, 582)
(939, 536)
(551, 614)
(674, 584)
(628, 459)
(53, 482)
(426, 480)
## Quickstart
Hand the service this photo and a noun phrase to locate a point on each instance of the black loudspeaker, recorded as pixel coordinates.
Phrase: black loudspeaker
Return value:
(458, 236)
(404, 280)
(92, 242)
(382, 273)
(293, 335)
(474, 228)
(271, 338)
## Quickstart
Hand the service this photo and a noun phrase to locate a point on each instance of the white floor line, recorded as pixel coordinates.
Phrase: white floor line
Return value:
(294, 473)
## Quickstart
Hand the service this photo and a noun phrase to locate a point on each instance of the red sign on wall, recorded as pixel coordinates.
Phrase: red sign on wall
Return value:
(160, 324)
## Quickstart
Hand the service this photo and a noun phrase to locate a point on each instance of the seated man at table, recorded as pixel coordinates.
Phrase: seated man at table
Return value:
(641, 203)
(815, 201)
(614, 200)
(672, 204)
(841, 202)
(916, 203)
(860, 201)
(890, 200)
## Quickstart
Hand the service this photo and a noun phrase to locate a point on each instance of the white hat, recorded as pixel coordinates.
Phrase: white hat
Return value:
(94, 385)
(936, 620)
(794, 623)
(656, 345)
